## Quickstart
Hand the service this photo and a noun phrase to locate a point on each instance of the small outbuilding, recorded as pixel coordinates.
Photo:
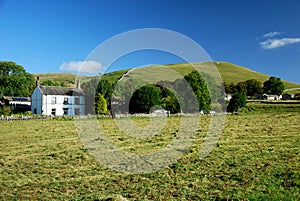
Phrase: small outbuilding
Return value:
(160, 112)
(17, 104)
(288, 96)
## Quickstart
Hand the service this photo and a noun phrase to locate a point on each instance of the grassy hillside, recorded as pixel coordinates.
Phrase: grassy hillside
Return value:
(233, 74)
(229, 72)
(60, 77)
(112, 76)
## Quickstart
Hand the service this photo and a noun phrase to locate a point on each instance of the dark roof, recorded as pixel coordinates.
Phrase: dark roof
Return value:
(21, 99)
(65, 91)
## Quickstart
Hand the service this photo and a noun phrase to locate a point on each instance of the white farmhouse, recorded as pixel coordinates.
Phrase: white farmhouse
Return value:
(57, 101)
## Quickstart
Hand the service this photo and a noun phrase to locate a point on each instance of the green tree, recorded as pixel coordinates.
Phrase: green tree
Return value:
(106, 88)
(89, 87)
(186, 96)
(53, 83)
(89, 90)
(100, 104)
(200, 90)
(5, 110)
(229, 88)
(241, 87)
(254, 87)
(169, 101)
(144, 99)
(126, 87)
(123, 92)
(14, 80)
(273, 86)
(237, 101)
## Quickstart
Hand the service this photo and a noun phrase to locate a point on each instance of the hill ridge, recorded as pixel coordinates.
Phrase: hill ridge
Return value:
(229, 72)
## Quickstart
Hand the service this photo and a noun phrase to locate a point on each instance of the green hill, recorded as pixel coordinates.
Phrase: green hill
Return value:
(60, 77)
(233, 74)
(229, 72)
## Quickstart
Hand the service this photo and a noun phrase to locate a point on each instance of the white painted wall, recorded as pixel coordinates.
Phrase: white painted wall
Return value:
(44, 105)
(59, 105)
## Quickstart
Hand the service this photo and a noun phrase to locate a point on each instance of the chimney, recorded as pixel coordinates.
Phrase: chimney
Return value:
(37, 82)
(78, 84)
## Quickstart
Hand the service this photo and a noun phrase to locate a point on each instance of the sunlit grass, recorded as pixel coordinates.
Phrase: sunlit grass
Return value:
(256, 158)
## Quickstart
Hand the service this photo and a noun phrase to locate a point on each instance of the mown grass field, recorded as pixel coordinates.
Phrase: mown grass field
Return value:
(256, 158)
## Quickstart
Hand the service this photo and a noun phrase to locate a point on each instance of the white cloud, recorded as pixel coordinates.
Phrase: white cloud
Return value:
(271, 34)
(275, 43)
(82, 66)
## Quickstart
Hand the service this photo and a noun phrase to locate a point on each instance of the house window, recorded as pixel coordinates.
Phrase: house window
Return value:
(66, 100)
(53, 100)
(76, 111)
(53, 111)
(77, 100)
(66, 111)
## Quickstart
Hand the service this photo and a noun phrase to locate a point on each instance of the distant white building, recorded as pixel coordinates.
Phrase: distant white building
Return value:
(272, 97)
(227, 97)
(57, 101)
(160, 112)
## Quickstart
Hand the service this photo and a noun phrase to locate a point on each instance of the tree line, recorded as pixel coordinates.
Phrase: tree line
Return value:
(174, 96)
(251, 88)
(188, 95)
(15, 81)
(254, 87)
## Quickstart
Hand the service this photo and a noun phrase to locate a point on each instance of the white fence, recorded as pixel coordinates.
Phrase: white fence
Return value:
(24, 117)
(12, 118)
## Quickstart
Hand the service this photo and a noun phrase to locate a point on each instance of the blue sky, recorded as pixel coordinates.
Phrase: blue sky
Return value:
(53, 36)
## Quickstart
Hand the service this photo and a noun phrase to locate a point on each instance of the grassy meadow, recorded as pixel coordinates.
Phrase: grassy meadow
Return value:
(256, 158)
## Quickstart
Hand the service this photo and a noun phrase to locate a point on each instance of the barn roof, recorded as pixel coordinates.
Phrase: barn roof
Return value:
(64, 91)
(10, 100)
(24, 99)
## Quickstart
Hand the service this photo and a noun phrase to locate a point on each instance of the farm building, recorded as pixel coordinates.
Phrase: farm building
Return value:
(227, 97)
(17, 104)
(272, 97)
(58, 101)
(288, 96)
(160, 112)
